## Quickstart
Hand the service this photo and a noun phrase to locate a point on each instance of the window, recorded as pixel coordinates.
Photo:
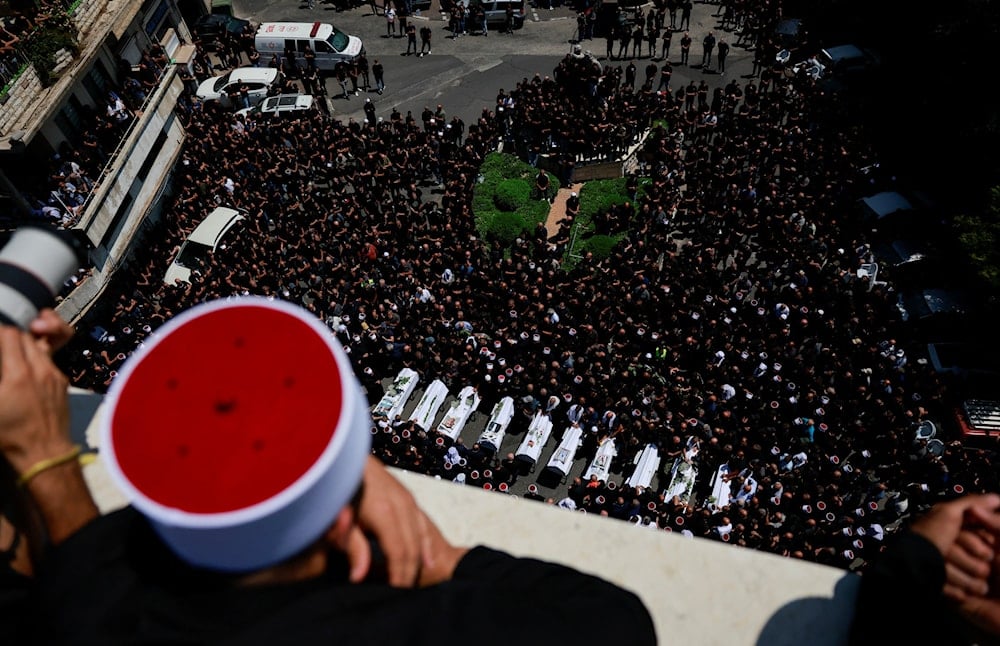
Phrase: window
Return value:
(155, 18)
(71, 110)
(221, 83)
(96, 84)
(321, 46)
(289, 44)
(66, 127)
(111, 233)
(338, 40)
(154, 152)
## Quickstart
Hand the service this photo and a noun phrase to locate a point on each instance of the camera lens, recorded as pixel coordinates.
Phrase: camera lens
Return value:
(34, 264)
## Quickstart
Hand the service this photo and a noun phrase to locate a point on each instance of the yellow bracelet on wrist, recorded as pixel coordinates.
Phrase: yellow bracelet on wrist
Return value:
(48, 463)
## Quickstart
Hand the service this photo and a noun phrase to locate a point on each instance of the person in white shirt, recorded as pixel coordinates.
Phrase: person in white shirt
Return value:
(567, 503)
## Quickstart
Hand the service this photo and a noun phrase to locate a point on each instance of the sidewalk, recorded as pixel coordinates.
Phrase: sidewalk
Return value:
(558, 210)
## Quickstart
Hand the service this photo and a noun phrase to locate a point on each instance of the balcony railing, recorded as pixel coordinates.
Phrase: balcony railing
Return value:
(50, 42)
(12, 66)
(111, 163)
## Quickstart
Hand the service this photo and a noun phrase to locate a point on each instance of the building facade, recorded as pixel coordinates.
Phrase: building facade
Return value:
(88, 137)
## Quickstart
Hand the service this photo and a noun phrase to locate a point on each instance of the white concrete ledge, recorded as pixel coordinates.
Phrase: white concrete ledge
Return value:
(699, 592)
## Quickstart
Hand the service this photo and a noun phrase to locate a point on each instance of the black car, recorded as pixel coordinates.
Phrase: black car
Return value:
(208, 29)
(789, 33)
(901, 214)
(941, 313)
(911, 262)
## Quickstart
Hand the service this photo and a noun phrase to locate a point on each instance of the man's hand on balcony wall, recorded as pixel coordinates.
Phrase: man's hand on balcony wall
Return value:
(415, 552)
(966, 532)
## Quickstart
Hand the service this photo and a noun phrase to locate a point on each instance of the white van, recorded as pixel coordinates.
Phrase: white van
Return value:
(330, 45)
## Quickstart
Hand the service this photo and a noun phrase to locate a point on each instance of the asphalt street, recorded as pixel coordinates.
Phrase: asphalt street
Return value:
(464, 75)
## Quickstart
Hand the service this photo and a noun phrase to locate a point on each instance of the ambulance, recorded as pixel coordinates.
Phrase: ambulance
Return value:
(330, 45)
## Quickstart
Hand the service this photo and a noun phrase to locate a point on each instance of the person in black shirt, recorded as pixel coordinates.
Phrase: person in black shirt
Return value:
(723, 52)
(378, 72)
(425, 40)
(708, 45)
(411, 39)
(118, 579)
(946, 564)
(542, 185)
(685, 48)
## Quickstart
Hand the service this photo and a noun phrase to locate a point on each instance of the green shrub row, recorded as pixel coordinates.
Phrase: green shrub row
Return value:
(503, 201)
(505, 206)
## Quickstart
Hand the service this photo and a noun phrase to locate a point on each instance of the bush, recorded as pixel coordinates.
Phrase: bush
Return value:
(601, 246)
(504, 165)
(979, 237)
(533, 212)
(506, 186)
(511, 194)
(599, 196)
(506, 226)
(43, 44)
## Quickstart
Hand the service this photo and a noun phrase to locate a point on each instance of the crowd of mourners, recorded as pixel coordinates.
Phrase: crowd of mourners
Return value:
(60, 194)
(74, 172)
(730, 326)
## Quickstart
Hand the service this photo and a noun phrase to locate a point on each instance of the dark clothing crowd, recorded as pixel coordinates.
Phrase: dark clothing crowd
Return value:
(730, 325)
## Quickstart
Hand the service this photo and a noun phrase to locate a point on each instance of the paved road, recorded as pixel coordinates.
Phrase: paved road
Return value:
(464, 75)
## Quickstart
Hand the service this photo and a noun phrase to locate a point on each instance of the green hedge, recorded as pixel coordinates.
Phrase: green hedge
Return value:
(503, 202)
(601, 245)
(598, 197)
(512, 194)
(505, 206)
(507, 225)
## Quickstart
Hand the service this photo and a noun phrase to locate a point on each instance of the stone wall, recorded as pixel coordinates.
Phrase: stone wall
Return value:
(22, 97)
(86, 15)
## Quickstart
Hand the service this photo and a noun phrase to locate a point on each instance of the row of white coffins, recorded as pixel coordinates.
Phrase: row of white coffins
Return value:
(457, 414)
(683, 473)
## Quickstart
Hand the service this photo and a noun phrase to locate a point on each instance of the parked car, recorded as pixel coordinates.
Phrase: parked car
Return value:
(208, 29)
(205, 239)
(280, 104)
(415, 6)
(330, 45)
(792, 40)
(789, 33)
(848, 60)
(259, 81)
(939, 313)
(897, 214)
(496, 10)
(973, 370)
(924, 303)
(911, 262)
(965, 359)
(835, 67)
